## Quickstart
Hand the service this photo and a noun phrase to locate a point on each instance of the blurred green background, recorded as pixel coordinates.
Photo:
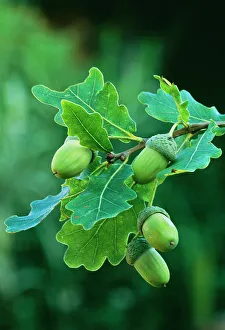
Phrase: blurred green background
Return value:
(55, 44)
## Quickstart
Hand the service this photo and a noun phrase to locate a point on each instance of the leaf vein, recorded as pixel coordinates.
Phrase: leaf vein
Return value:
(103, 191)
(88, 132)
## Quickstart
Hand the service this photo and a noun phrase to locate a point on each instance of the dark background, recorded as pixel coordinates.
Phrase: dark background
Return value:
(55, 44)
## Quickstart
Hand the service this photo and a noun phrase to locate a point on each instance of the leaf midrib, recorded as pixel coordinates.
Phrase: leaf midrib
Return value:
(89, 133)
(101, 196)
(196, 149)
(104, 118)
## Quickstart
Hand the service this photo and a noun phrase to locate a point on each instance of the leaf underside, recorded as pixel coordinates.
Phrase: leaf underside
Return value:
(162, 107)
(40, 209)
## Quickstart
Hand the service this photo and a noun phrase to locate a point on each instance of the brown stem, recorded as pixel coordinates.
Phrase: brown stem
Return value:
(195, 128)
(111, 157)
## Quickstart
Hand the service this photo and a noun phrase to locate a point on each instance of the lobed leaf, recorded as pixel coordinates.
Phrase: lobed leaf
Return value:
(81, 94)
(106, 103)
(40, 209)
(196, 156)
(173, 90)
(105, 197)
(88, 127)
(94, 96)
(162, 107)
(107, 239)
(218, 131)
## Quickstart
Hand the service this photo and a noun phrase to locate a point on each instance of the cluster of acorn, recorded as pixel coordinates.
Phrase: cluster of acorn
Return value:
(158, 233)
(154, 225)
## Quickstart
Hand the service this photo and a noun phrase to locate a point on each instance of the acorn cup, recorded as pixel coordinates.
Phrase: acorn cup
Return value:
(71, 159)
(160, 149)
(148, 262)
(155, 225)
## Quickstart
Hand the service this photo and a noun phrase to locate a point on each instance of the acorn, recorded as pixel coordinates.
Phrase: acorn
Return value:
(155, 225)
(159, 150)
(148, 262)
(70, 159)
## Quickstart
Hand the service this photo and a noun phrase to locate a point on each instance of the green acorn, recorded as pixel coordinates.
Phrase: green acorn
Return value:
(155, 225)
(160, 149)
(70, 159)
(148, 262)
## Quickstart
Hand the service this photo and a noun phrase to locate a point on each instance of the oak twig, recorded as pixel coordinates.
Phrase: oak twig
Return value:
(111, 157)
(193, 128)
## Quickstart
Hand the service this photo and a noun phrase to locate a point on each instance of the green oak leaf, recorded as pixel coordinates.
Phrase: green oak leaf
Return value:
(196, 156)
(165, 84)
(182, 107)
(106, 103)
(82, 93)
(107, 239)
(88, 127)
(105, 197)
(173, 90)
(75, 186)
(218, 131)
(145, 191)
(94, 96)
(162, 107)
(39, 211)
(93, 166)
